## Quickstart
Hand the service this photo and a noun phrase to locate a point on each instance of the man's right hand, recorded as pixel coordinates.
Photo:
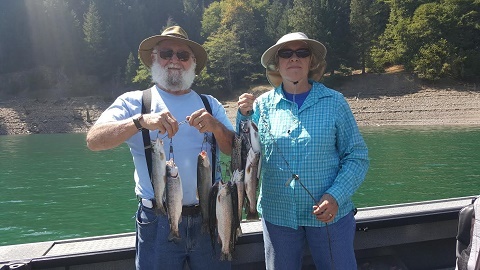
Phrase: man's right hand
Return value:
(163, 121)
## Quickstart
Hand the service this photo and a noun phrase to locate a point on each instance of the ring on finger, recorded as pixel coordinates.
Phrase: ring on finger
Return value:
(200, 125)
(330, 215)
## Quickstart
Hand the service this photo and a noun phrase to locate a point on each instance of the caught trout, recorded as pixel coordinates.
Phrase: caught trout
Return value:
(236, 157)
(255, 143)
(254, 137)
(227, 218)
(159, 175)
(212, 212)
(245, 143)
(173, 196)
(204, 182)
(237, 179)
(251, 183)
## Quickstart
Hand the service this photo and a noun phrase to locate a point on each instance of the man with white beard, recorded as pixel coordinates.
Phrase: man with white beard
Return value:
(178, 116)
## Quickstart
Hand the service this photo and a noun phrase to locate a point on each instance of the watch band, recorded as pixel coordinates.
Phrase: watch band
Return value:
(136, 121)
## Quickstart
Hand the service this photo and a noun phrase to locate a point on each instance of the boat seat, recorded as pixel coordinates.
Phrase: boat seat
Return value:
(464, 232)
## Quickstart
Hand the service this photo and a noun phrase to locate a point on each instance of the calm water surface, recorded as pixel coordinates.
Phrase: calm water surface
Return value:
(53, 187)
(420, 163)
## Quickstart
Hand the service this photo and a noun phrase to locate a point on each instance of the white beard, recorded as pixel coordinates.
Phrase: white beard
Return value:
(173, 80)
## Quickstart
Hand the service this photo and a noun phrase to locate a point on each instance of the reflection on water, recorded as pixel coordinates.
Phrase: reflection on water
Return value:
(53, 187)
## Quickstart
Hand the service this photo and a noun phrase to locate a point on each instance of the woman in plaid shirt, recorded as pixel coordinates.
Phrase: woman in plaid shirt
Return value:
(313, 159)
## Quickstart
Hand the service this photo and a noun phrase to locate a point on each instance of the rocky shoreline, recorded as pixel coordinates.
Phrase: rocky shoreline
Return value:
(47, 116)
(397, 99)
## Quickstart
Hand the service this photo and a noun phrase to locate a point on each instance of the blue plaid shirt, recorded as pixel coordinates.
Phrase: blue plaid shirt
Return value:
(320, 142)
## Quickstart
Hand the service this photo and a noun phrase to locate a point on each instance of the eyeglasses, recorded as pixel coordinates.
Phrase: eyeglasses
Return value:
(181, 55)
(287, 53)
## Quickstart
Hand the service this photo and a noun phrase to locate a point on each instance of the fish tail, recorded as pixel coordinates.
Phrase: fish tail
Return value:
(160, 211)
(174, 237)
(226, 257)
(252, 215)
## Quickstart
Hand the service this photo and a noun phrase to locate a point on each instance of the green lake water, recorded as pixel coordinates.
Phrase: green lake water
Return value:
(53, 187)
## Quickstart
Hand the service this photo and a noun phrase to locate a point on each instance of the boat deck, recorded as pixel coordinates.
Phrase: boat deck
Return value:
(410, 236)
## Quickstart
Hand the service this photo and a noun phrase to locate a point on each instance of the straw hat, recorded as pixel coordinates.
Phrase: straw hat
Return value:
(318, 64)
(172, 33)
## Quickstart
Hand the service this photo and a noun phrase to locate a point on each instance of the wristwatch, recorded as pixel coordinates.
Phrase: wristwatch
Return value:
(136, 121)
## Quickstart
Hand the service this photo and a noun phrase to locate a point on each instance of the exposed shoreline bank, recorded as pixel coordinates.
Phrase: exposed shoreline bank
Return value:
(376, 100)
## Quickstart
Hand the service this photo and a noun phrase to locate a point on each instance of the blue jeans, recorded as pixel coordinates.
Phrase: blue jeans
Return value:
(154, 251)
(284, 246)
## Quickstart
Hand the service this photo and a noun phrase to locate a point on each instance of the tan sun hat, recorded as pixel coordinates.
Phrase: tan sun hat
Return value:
(317, 67)
(172, 33)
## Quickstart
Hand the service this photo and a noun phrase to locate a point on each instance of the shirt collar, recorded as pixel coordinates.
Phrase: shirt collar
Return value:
(317, 92)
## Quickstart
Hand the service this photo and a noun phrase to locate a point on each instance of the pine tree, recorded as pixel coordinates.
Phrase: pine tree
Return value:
(93, 31)
(362, 29)
(130, 69)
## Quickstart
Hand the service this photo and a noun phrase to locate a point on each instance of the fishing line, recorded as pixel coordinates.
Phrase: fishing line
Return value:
(204, 142)
(171, 155)
(179, 124)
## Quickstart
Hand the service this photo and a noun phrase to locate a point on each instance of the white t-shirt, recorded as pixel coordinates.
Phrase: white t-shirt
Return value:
(187, 143)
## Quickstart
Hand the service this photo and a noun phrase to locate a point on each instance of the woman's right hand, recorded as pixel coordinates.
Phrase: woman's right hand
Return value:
(245, 103)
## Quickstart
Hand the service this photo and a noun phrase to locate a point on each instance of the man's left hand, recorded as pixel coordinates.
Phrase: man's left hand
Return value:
(202, 120)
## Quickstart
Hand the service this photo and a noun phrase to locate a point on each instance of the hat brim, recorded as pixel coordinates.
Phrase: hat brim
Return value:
(147, 45)
(273, 76)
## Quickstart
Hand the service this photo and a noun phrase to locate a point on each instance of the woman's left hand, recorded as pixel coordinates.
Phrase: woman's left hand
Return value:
(245, 103)
(326, 209)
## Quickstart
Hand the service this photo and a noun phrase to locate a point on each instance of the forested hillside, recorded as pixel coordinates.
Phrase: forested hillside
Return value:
(55, 48)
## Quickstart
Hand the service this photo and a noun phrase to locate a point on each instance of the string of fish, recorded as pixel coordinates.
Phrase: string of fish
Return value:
(204, 147)
(171, 154)
(295, 176)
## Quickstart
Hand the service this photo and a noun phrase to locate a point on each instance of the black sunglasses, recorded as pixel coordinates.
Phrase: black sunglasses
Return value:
(181, 55)
(287, 53)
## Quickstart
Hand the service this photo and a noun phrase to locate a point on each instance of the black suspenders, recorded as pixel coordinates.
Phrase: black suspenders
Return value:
(214, 142)
(146, 106)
